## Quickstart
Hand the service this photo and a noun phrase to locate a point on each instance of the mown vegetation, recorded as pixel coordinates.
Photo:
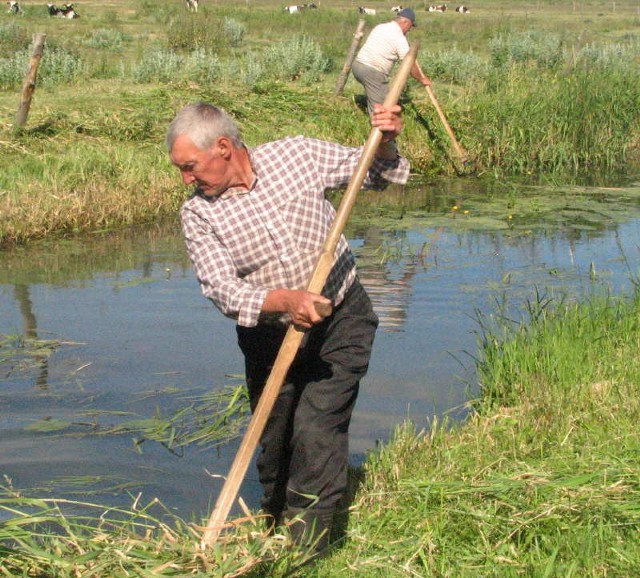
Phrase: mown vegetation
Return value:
(547, 90)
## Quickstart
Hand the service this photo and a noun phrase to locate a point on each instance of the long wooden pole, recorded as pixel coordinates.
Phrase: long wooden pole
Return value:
(294, 336)
(344, 75)
(29, 84)
(462, 154)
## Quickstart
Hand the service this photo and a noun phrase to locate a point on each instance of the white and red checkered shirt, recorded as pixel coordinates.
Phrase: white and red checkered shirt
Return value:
(246, 243)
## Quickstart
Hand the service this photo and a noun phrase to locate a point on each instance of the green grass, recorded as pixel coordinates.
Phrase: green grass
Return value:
(542, 90)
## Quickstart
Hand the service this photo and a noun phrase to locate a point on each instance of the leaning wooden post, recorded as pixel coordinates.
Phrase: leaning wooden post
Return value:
(344, 75)
(294, 335)
(29, 85)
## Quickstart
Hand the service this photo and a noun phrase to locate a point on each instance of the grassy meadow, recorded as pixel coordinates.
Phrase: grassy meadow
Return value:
(547, 90)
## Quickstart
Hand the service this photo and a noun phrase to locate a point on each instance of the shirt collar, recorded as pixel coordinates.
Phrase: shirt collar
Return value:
(235, 191)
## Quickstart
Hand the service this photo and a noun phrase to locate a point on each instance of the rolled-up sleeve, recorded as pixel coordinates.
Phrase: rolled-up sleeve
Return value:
(337, 164)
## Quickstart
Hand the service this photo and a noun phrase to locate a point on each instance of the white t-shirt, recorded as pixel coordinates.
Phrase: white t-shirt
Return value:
(385, 45)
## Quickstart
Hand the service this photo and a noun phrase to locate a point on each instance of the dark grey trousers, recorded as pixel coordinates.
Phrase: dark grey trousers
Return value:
(304, 449)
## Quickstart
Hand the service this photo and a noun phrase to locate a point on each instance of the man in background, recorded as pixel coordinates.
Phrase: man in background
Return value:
(386, 44)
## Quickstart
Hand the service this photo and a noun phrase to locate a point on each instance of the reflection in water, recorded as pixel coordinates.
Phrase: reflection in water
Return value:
(387, 274)
(147, 341)
(21, 293)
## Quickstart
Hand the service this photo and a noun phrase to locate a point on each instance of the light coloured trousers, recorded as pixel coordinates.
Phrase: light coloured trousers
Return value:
(376, 83)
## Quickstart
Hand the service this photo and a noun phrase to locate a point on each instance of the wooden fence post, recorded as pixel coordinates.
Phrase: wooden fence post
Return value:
(344, 75)
(29, 85)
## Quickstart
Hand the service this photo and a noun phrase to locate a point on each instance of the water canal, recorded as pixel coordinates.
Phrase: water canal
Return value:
(135, 338)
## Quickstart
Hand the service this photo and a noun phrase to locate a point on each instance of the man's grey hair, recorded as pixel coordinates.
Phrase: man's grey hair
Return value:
(203, 123)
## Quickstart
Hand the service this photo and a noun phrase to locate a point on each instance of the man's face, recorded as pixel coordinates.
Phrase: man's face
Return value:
(406, 25)
(204, 168)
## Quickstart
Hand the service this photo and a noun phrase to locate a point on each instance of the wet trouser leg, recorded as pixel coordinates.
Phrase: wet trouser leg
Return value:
(304, 448)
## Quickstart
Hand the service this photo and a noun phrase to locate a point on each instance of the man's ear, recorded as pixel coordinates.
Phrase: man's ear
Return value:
(223, 147)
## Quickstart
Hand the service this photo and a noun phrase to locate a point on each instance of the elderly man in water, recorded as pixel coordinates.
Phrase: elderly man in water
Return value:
(254, 227)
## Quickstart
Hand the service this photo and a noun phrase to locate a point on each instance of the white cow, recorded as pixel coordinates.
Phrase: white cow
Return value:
(438, 8)
(300, 7)
(14, 7)
(367, 11)
(463, 10)
(192, 5)
(396, 9)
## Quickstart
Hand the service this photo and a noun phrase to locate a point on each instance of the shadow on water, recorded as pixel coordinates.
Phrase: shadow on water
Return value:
(113, 327)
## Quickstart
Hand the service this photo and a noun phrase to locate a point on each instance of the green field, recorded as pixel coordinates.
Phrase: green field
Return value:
(547, 90)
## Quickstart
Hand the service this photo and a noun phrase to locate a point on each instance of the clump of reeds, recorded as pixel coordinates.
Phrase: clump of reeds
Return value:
(542, 476)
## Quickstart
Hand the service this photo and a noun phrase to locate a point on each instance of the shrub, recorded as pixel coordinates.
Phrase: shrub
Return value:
(455, 66)
(234, 31)
(164, 66)
(619, 55)
(105, 38)
(543, 49)
(12, 70)
(13, 37)
(298, 58)
(59, 66)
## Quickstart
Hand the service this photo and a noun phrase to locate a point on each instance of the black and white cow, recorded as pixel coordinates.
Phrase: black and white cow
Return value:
(14, 7)
(68, 11)
(396, 9)
(438, 8)
(463, 10)
(65, 11)
(367, 11)
(192, 5)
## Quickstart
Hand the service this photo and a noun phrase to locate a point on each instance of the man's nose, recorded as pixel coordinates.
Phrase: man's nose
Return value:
(187, 177)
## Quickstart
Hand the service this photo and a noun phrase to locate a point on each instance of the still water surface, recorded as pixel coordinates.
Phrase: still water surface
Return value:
(135, 328)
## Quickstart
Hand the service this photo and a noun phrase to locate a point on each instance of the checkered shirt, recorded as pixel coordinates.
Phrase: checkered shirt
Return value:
(246, 243)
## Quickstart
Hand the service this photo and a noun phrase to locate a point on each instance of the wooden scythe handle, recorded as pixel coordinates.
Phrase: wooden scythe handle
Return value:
(462, 155)
(293, 337)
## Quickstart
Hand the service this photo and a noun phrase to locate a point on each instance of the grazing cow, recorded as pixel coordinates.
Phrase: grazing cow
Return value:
(438, 8)
(300, 7)
(14, 7)
(396, 9)
(67, 11)
(463, 10)
(367, 11)
(192, 5)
